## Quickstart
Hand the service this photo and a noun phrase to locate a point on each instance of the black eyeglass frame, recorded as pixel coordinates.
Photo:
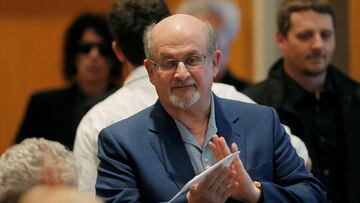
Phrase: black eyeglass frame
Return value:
(175, 63)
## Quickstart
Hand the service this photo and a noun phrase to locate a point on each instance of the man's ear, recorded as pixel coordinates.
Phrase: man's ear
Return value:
(118, 52)
(149, 70)
(280, 40)
(216, 62)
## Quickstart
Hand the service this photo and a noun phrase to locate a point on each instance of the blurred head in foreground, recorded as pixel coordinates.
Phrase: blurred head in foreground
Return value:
(35, 161)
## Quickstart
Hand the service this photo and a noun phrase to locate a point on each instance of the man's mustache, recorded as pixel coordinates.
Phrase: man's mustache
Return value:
(317, 55)
(179, 83)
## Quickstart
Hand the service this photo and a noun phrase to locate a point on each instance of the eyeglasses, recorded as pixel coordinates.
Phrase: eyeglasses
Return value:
(85, 47)
(190, 62)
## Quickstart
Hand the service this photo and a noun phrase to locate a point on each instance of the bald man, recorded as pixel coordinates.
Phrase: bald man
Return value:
(151, 155)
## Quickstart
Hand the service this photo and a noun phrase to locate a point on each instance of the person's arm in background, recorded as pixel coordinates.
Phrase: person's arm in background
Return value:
(300, 147)
(85, 150)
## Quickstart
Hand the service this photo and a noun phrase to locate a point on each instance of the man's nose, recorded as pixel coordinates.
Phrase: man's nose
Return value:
(94, 51)
(318, 42)
(181, 71)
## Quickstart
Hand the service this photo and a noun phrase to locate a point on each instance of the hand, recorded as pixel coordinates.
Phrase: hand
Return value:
(215, 188)
(246, 191)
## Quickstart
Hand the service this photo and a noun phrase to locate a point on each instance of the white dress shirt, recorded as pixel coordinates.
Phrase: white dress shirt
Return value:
(136, 94)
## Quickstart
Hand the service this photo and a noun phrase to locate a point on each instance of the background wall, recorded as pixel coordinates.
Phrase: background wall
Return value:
(31, 35)
(264, 27)
(354, 38)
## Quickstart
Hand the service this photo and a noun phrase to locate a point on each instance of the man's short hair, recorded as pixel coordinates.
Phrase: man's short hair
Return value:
(30, 162)
(287, 7)
(127, 22)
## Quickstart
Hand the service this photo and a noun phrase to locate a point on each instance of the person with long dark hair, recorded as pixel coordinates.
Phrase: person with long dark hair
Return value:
(92, 70)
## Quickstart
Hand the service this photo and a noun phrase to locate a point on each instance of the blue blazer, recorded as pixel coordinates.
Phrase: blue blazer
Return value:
(143, 158)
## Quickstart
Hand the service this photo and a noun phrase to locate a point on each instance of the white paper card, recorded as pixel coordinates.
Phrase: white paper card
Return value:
(225, 161)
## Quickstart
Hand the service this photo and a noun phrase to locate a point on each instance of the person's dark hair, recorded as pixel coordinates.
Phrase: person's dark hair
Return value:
(128, 20)
(73, 36)
(287, 7)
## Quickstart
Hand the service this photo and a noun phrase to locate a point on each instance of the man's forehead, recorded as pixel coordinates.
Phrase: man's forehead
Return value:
(171, 54)
(178, 32)
(311, 18)
(178, 22)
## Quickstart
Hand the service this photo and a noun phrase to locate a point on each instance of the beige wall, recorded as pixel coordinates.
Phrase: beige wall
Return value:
(354, 39)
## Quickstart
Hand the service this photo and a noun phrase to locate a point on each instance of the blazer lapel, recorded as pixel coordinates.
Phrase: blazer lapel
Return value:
(167, 143)
(229, 127)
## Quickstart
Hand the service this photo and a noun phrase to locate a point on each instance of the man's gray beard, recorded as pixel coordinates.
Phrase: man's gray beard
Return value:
(185, 103)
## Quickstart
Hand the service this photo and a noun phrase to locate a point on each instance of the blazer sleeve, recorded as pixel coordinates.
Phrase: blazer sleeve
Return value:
(116, 179)
(292, 182)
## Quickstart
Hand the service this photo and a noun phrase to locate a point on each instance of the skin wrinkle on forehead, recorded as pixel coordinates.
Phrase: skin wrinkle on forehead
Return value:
(168, 55)
(165, 49)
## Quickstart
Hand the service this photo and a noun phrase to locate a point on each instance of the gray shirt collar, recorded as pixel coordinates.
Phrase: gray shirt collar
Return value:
(200, 156)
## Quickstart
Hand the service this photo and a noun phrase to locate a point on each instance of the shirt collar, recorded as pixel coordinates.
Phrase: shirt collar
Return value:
(297, 94)
(211, 128)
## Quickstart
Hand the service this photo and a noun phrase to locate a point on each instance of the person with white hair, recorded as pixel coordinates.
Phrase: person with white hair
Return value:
(224, 17)
(35, 161)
